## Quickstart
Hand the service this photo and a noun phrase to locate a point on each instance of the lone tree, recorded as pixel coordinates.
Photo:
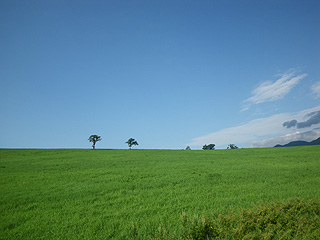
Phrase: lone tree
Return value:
(94, 139)
(208, 147)
(132, 142)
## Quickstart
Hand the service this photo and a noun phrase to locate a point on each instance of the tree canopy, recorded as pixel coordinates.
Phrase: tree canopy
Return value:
(208, 147)
(94, 139)
(132, 142)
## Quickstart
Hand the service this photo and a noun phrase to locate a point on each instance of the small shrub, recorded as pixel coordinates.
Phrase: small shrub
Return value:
(198, 228)
(294, 219)
(232, 146)
(208, 147)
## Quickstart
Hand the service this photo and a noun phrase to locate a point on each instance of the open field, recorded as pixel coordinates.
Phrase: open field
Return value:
(102, 194)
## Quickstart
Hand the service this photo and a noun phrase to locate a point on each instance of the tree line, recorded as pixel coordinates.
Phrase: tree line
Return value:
(132, 142)
(211, 146)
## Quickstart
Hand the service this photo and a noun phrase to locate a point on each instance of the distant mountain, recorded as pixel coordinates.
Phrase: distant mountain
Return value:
(315, 142)
(300, 143)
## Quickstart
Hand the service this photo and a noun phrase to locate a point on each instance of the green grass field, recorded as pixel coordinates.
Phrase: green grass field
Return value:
(109, 194)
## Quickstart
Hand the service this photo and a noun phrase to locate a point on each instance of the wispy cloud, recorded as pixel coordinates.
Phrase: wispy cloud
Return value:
(261, 132)
(315, 88)
(274, 90)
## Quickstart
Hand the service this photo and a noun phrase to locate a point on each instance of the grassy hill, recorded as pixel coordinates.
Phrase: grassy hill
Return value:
(115, 194)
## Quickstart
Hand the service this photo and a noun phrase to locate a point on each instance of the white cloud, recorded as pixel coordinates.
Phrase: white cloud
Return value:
(254, 133)
(245, 108)
(271, 91)
(315, 88)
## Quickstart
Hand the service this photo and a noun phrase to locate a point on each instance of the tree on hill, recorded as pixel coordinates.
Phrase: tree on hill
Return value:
(132, 142)
(94, 139)
(208, 147)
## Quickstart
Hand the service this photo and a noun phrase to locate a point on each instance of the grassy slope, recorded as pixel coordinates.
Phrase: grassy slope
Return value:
(85, 194)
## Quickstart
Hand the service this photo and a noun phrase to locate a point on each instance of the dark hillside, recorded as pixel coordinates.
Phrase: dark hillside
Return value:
(315, 142)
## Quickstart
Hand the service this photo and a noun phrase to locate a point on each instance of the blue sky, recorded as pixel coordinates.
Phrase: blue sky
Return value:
(167, 73)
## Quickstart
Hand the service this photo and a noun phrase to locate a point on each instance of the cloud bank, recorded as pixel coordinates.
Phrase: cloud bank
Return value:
(269, 91)
(277, 129)
(265, 132)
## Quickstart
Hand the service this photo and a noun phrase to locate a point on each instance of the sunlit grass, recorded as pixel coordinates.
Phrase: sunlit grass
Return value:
(102, 194)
